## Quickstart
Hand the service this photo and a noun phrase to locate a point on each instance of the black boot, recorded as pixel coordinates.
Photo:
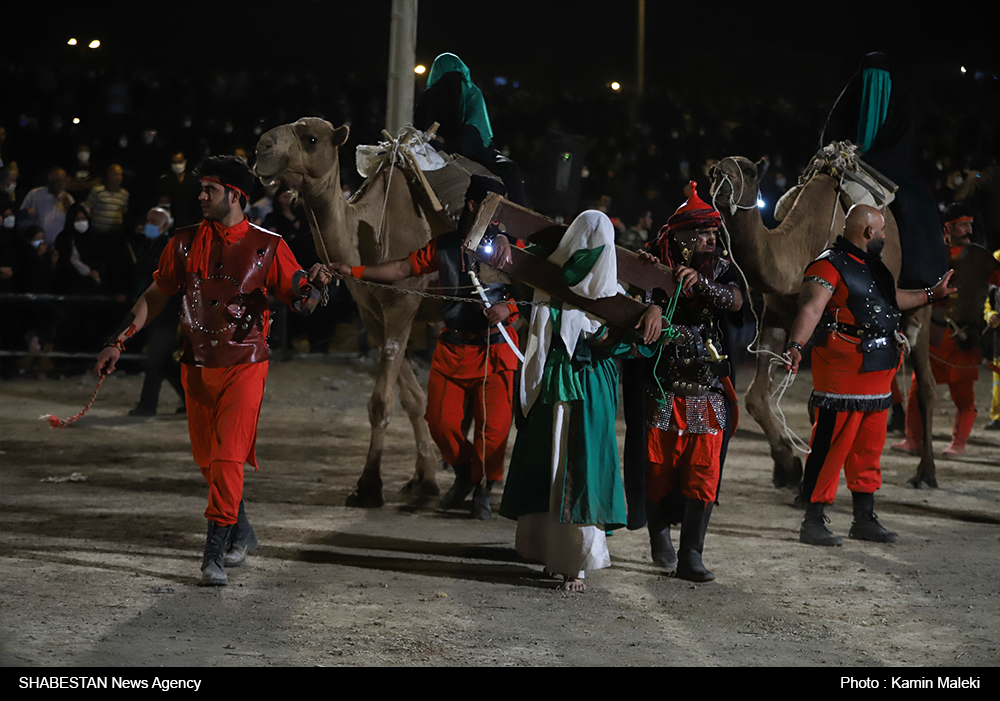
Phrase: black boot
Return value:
(866, 525)
(244, 541)
(481, 501)
(462, 488)
(213, 573)
(660, 547)
(814, 531)
(693, 527)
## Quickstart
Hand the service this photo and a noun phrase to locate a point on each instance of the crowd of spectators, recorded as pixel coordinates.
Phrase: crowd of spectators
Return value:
(85, 153)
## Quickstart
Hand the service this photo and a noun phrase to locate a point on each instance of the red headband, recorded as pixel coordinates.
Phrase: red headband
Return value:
(959, 219)
(216, 180)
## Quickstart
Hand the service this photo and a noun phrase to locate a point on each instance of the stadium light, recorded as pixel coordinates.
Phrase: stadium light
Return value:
(94, 44)
(420, 69)
(616, 86)
(71, 42)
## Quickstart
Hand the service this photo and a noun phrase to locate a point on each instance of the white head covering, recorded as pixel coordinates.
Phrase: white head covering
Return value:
(589, 230)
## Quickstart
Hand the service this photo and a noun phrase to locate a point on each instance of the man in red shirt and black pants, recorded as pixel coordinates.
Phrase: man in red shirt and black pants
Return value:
(854, 295)
(472, 362)
(225, 267)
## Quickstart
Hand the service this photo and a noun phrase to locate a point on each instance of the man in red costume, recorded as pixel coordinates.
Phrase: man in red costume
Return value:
(953, 361)
(225, 267)
(854, 295)
(472, 362)
(694, 414)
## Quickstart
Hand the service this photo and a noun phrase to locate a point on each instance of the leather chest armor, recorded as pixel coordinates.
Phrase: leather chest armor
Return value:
(224, 315)
(453, 271)
(876, 318)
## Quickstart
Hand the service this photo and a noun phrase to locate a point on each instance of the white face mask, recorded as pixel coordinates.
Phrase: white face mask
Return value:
(9, 222)
(178, 167)
(83, 156)
(10, 188)
(81, 226)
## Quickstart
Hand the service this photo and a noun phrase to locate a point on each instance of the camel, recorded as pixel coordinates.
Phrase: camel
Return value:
(304, 155)
(773, 261)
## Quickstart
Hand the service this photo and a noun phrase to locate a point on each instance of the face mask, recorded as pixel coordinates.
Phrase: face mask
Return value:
(178, 167)
(9, 222)
(123, 142)
(81, 226)
(780, 182)
(37, 242)
(10, 188)
(83, 156)
(152, 231)
(959, 180)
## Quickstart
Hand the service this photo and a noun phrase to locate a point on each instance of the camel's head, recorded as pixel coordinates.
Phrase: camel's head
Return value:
(734, 183)
(300, 153)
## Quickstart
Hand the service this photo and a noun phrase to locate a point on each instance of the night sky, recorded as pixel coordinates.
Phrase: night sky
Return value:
(543, 43)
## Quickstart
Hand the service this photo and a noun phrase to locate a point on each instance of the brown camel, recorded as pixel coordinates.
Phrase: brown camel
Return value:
(773, 261)
(304, 155)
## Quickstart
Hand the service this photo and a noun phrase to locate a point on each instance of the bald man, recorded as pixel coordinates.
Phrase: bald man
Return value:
(850, 291)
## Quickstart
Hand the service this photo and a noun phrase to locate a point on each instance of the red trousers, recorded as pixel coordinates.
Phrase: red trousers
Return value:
(852, 439)
(678, 457)
(223, 405)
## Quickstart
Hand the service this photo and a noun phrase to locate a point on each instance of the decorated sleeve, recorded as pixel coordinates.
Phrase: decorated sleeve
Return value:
(169, 275)
(822, 273)
(279, 277)
(425, 260)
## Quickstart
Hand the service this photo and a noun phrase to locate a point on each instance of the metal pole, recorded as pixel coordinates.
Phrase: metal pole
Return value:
(402, 57)
(641, 50)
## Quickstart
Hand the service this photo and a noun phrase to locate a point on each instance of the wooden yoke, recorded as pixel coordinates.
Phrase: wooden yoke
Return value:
(497, 215)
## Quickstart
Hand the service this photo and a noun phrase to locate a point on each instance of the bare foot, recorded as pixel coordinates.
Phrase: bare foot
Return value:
(572, 584)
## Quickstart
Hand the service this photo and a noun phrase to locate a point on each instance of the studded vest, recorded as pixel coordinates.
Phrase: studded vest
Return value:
(876, 319)
(224, 315)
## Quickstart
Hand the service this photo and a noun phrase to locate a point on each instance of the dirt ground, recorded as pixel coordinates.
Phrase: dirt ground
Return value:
(102, 571)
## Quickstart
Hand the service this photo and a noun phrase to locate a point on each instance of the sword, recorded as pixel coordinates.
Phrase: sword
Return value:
(503, 332)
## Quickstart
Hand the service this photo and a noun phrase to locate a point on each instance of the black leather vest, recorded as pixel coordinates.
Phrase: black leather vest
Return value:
(876, 318)
(453, 271)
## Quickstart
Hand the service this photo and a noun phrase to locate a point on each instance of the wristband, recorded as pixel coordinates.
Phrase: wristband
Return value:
(930, 294)
(117, 343)
(357, 271)
(794, 344)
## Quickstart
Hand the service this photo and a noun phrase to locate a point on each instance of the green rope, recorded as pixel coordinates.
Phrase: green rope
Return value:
(670, 333)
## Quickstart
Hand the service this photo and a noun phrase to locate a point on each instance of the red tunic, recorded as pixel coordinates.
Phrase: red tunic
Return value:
(837, 362)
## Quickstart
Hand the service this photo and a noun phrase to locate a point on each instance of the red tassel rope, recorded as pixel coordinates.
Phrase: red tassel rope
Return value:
(56, 422)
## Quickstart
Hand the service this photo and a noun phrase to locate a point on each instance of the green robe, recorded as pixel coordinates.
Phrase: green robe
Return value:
(592, 492)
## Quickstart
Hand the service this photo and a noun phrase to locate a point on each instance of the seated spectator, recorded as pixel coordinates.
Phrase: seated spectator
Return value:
(84, 175)
(79, 264)
(46, 206)
(109, 203)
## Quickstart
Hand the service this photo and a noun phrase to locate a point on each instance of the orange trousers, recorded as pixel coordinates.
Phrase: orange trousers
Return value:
(849, 439)
(223, 405)
(446, 400)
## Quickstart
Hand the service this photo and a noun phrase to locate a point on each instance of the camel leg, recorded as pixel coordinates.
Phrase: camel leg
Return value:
(397, 317)
(787, 467)
(926, 395)
(414, 401)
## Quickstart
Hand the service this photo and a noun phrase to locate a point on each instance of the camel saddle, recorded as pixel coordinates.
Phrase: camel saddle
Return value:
(497, 215)
(437, 180)
(859, 182)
